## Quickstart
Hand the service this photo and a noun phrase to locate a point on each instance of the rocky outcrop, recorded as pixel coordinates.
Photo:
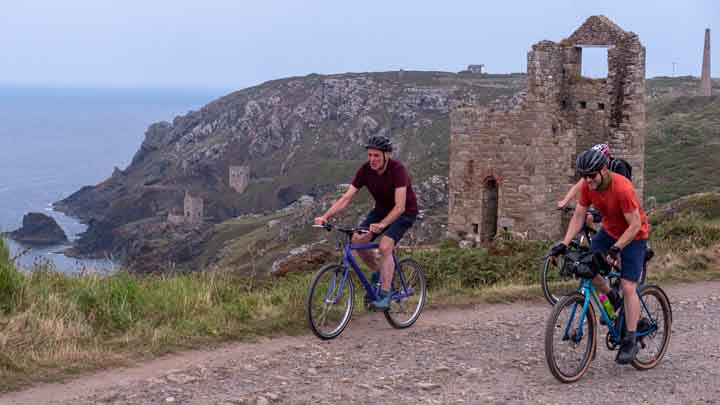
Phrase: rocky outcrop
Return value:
(39, 229)
(296, 136)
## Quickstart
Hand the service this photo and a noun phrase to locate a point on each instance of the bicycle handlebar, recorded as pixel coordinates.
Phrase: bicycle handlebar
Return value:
(349, 231)
(566, 209)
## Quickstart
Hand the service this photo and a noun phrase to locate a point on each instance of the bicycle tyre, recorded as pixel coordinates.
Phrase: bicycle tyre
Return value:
(552, 293)
(574, 302)
(316, 320)
(415, 280)
(665, 327)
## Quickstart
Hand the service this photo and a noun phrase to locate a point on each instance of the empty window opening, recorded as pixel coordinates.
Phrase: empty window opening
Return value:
(583, 104)
(594, 62)
(476, 228)
(601, 106)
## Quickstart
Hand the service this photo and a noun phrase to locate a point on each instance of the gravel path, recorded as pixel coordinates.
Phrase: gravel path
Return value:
(484, 354)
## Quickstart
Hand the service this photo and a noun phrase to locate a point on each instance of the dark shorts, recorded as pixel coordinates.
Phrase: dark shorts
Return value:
(632, 257)
(396, 230)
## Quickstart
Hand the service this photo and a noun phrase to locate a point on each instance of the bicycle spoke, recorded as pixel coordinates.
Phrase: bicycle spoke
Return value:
(569, 338)
(330, 302)
(405, 309)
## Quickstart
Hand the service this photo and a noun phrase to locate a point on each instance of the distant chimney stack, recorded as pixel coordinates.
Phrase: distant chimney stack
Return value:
(705, 81)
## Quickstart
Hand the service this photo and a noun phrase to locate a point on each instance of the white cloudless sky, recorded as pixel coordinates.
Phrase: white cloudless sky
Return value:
(231, 44)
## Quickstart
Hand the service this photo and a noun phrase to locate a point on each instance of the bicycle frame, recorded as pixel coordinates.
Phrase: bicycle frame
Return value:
(588, 290)
(348, 262)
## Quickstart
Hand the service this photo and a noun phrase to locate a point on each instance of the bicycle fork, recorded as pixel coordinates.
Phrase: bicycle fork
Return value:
(329, 299)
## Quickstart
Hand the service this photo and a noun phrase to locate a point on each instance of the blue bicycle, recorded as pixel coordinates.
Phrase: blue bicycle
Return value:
(331, 297)
(571, 330)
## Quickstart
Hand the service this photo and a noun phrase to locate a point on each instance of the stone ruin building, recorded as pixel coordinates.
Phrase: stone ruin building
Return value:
(193, 211)
(510, 164)
(239, 178)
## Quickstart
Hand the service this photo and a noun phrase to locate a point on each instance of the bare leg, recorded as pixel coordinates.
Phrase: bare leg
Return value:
(632, 304)
(367, 256)
(387, 267)
(601, 284)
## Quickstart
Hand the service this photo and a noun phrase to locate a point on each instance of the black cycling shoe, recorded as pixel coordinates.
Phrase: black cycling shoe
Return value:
(628, 350)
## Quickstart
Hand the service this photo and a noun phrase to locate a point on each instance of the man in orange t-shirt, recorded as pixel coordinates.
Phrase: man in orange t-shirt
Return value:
(623, 236)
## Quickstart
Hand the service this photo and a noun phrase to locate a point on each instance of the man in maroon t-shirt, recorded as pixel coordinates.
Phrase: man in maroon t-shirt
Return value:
(395, 210)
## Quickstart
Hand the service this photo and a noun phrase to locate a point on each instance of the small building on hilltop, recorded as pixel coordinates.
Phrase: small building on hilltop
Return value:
(476, 68)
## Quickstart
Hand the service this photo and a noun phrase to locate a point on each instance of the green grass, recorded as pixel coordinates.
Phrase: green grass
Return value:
(683, 147)
(55, 326)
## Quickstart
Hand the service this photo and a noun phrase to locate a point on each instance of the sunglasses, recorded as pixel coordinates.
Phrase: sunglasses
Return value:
(590, 176)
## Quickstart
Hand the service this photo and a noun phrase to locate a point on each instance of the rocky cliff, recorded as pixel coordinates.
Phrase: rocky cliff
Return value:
(290, 137)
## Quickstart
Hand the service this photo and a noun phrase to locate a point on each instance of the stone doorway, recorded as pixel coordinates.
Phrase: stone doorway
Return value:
(490, 210)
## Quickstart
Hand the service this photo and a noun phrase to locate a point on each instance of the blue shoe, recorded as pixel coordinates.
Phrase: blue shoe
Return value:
(383, 303)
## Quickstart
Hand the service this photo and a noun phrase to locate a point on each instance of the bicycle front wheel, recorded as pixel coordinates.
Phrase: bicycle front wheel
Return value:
(570, 340)
(409, 295)
(654, 327)
(330, 301)
(555, 284)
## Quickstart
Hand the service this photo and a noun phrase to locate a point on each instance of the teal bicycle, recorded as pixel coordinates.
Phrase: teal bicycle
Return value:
(571, 330)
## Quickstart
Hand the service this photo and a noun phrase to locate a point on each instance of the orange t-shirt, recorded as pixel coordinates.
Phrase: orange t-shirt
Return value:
(612, 203)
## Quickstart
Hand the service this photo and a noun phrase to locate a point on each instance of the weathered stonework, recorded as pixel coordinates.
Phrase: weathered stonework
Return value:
(193, 208)
(524, 153)
(239, 177)
(193, 211)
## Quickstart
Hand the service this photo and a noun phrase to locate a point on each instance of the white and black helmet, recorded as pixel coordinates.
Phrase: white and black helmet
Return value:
(590, 161)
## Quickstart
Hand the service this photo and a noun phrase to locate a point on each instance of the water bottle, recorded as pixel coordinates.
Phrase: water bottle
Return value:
(607, 305)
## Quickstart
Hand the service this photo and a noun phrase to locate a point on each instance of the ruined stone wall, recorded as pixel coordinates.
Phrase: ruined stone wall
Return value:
(175, 219)
(589, 113)
(193, 208)
(239, 177)
(530, 148)
(523, 151)
(628, 125)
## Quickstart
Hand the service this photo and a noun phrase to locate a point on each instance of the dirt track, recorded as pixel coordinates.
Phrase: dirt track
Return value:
(485, 354)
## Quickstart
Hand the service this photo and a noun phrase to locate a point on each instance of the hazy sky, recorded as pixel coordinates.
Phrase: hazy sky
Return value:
(231, 44)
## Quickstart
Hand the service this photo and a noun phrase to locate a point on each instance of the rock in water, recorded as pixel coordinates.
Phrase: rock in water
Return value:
(39, 229)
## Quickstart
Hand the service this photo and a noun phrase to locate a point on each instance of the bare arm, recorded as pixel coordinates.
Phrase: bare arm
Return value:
(576, 223)
(398, 209)
(572, 193)
(634, 224)
(337, 206)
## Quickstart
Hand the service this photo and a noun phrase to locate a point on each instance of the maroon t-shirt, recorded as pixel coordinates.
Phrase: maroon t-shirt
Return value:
(382, 186)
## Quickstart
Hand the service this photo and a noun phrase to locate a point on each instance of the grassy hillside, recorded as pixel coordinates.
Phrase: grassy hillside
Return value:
(683, 146)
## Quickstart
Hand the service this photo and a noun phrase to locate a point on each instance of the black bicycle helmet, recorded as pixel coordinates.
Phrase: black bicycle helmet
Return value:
(379, 142)
(590, 161)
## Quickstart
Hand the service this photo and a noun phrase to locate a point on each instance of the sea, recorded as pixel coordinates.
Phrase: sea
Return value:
(55, 140)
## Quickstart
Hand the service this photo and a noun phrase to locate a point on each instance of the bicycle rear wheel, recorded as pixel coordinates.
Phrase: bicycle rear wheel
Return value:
(330, 301)
(555, 284)
(408, 300)
(654, 327)
(569, 348)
